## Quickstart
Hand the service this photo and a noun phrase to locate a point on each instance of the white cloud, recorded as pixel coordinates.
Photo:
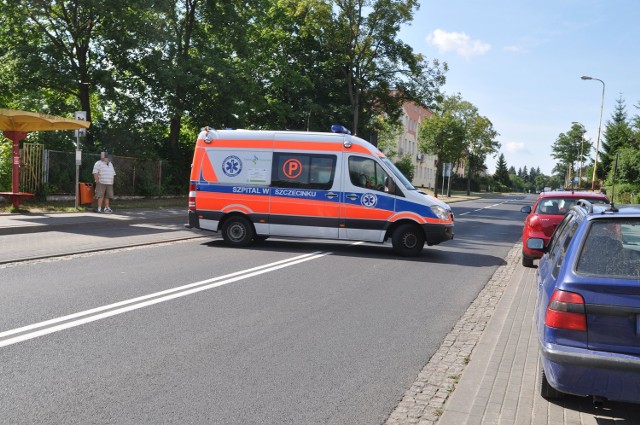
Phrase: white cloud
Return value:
(514, 49)
(515, 147)
(458, 42)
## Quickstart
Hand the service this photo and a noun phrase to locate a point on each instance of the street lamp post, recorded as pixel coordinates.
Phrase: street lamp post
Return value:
(595, 162)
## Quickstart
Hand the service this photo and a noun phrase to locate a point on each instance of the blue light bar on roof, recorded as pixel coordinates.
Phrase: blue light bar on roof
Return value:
(337, 128)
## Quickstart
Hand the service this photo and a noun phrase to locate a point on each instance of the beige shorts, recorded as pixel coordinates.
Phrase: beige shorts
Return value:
(104, 189)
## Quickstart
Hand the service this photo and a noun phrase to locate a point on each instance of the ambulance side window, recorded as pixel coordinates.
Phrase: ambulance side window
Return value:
(309, 171)
(368, 174)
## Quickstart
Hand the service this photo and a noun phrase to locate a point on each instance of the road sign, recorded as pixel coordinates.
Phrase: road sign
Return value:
(446, 169)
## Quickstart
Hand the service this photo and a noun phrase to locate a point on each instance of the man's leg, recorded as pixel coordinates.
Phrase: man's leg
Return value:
(108, 194)
(100, 193)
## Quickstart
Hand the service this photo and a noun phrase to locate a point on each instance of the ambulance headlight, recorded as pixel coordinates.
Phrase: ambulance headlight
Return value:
(440, 212)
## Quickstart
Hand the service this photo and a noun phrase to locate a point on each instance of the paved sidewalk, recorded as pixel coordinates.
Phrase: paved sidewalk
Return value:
(37, 236)
(12, 223)
(499, 385)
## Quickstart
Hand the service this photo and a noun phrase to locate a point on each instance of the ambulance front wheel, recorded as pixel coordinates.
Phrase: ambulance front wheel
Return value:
(237, 231)
(408, 240)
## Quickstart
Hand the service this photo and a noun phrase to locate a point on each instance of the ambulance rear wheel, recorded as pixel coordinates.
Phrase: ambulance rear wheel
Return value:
(407, 240)
(237, 231)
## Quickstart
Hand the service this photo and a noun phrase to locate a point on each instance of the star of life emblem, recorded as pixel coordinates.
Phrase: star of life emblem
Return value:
(369, 200)
(231, 166)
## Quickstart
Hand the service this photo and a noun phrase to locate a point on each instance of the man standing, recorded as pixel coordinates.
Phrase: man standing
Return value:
(103, 174)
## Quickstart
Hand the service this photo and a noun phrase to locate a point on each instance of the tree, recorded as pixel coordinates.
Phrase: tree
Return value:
(617, 134)
(442, 135)
(150, 74)
(387, 136)
(405, 165)
(480, 139)
(58, 50)
(457, 131)
(629, 165)
(569, 148)
(372, 59)
(502, 172)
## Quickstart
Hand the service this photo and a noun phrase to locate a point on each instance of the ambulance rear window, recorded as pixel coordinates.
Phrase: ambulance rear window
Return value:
(311, 171)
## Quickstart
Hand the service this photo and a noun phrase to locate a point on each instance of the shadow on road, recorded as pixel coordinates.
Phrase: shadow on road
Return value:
(431, 255)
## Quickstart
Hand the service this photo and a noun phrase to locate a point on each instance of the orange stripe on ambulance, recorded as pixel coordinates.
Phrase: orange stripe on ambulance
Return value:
(250, 185)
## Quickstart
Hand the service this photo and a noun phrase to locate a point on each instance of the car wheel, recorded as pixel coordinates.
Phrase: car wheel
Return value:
(546, 390)
(407, 240)
(527, 261)
(237, 232)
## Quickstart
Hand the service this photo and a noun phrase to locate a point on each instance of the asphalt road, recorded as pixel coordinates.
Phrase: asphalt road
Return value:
(299, 332)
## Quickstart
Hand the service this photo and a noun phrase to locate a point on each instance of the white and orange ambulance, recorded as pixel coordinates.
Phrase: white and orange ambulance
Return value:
(250, 185)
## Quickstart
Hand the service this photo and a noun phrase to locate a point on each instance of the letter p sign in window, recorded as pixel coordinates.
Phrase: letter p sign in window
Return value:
(292, 168)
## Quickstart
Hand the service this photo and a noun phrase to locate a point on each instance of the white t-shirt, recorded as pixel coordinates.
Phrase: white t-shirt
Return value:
(105, 172)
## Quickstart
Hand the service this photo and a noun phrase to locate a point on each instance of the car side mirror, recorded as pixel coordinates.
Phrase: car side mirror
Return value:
(526, 209)
(536, 243)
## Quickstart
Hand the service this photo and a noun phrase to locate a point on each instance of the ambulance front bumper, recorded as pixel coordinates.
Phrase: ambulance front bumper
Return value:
(437, 233)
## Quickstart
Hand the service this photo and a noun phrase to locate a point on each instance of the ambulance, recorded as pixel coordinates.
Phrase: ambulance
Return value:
(250, 185)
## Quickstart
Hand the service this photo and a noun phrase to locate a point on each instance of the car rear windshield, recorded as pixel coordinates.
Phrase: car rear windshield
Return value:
(561, 205)
(611, 249)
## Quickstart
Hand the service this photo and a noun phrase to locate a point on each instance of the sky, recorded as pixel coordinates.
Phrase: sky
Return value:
(520, 62)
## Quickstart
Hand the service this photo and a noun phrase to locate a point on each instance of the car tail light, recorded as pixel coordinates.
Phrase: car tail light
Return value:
(566, 311)
(192, 197)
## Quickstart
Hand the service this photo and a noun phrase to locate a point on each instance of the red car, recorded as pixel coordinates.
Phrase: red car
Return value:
(546, 213)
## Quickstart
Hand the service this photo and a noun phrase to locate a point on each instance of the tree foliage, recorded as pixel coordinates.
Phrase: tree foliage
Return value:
(372, 60)
(442, 135)
(502, 172)
(406, 166)
(617, 134)
(388, 131)
(151, 73)
(571, 150)
(457, 131)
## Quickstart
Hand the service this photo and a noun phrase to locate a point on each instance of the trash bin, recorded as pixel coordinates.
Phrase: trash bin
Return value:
(85, 193)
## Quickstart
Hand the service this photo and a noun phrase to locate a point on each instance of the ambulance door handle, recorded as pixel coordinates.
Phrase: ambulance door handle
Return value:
(352, 196)
(331, 195)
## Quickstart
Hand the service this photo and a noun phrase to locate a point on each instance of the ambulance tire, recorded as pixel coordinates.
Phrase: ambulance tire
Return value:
(237, 232)
(407, 240)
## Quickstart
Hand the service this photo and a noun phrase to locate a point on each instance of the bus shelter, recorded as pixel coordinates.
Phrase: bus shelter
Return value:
(15, 126)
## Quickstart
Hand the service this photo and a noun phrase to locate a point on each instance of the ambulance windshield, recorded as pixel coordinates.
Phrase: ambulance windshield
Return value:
(401, 178)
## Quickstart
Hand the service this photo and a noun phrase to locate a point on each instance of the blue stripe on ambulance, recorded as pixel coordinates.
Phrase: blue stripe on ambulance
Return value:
(384, 202)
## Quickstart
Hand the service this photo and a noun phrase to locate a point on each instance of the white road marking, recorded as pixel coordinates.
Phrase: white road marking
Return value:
(146, 300)
(480, 209)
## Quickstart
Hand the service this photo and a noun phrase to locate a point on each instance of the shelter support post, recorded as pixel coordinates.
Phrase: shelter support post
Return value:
(15, 196)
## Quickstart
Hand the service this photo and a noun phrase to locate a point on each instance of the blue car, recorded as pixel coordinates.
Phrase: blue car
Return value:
(588, 307)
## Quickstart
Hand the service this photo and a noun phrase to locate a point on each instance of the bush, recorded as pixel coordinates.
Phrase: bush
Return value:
(6, 153)
(624, 193)
(499, 187)
(405, 165)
